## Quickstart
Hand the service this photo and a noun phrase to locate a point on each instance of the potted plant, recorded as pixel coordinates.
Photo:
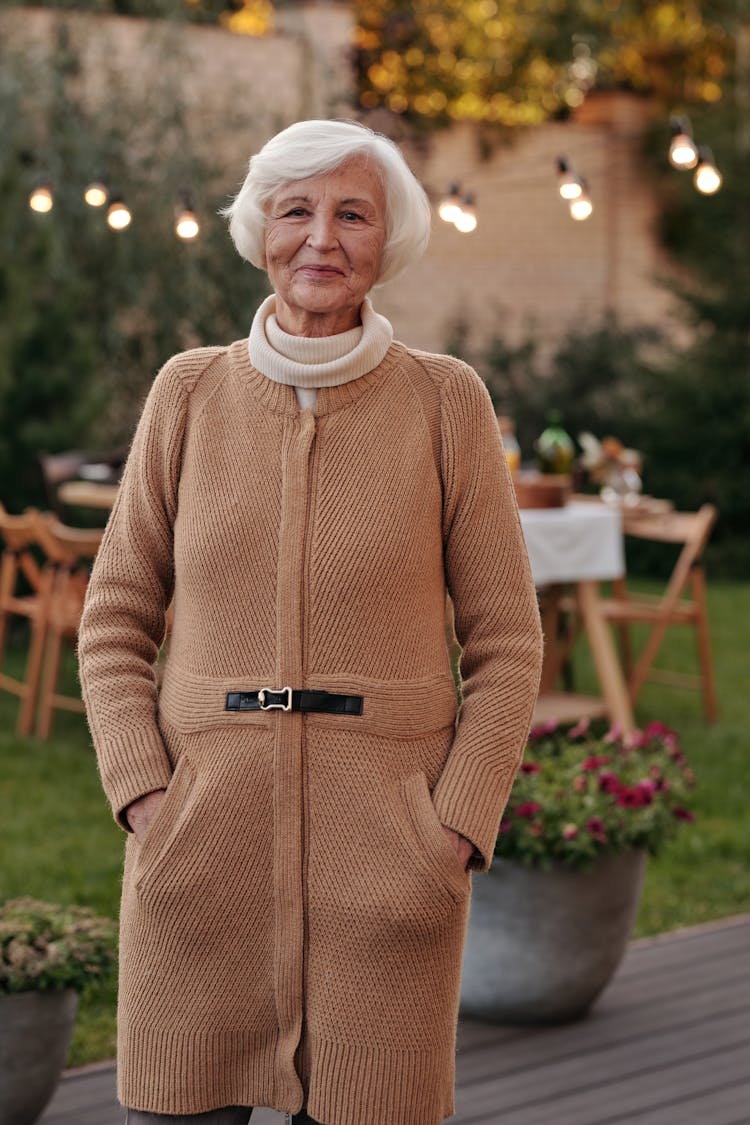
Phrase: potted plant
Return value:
(550, 920)
(48, 954)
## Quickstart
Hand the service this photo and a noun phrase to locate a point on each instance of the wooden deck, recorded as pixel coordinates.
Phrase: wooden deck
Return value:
(668, 1043)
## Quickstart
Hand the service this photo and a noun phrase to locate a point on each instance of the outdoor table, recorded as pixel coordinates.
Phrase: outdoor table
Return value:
(580, 544)
(87, 494)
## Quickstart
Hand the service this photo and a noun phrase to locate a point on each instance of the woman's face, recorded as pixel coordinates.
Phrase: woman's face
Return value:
(323, 246)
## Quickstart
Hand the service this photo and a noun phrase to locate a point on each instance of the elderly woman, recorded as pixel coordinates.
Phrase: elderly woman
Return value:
(304, 802)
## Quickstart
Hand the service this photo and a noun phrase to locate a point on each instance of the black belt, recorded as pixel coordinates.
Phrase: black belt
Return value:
(266, 699)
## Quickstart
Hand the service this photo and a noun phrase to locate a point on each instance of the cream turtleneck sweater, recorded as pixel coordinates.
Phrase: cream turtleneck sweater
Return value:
(307, 363)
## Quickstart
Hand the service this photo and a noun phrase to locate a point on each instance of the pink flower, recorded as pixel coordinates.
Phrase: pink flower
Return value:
(581, 729)
(630, 798)
(505, 827)
(595, 827)
(609, 782)
(542, 730)
(614, 734)
(657, 730)
(570, 831)
(530, 767)
(595, 761)
(527, 809)
(682, 813)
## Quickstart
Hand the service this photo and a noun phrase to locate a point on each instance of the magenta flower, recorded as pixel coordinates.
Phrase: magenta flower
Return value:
(595, 827)
(595, 761)
(609, 782)
(527, 809)
(530, 767)
(542, 730)
(570, 831)
(682, 813)
(505, 827)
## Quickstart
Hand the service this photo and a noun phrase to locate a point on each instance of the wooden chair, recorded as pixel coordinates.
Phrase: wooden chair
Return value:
(671, 608)
(69, 552)
(24, 592)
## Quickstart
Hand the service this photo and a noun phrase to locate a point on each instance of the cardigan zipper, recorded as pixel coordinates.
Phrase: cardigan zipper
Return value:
(304, 600)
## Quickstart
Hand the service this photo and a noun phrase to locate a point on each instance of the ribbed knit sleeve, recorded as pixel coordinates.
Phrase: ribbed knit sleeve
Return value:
(123, 622)
(496, 617)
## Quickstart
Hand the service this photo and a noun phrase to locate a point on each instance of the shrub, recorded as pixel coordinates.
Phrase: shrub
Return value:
(46, 947)
(578, 796)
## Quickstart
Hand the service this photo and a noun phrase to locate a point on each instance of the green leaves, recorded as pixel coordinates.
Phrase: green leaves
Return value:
(48, 947)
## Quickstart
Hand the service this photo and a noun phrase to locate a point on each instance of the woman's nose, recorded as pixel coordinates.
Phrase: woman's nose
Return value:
(322, 235)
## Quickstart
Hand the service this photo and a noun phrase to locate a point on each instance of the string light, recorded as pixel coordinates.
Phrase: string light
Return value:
(569, 185)
(466, 220)
(118, 215)
(683, 152)
(449, 207)
(707, 177)
(96, 194)
(582, 207)
(41, 199)
(187, 226)
(574, 190)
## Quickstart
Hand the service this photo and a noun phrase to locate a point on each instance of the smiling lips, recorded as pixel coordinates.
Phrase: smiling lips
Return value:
(320, 271)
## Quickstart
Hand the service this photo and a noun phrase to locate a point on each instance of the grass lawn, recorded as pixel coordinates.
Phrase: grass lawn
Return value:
(58, 840)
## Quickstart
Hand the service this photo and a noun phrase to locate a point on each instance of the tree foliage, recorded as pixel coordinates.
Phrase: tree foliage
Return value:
(519, 62)
(88, 314)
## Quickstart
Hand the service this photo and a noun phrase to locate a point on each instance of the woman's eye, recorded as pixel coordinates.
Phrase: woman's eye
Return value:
(352, 216)
(296, 211)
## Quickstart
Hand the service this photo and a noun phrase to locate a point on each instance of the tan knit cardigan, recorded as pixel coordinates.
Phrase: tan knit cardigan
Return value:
(292, 927)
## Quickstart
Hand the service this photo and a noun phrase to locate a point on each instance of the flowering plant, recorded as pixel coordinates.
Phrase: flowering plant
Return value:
(577, 796)
(45, 947)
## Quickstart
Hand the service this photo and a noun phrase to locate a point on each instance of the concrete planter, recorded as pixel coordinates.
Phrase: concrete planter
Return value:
(541, 945)
(35, 1033)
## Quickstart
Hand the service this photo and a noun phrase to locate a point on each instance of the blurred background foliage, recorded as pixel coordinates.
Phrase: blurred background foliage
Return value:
(88, 314)
(84, 322)
(504, 62)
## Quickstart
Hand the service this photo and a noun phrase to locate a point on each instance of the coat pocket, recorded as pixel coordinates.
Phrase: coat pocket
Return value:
(165, 827)
(433, 848)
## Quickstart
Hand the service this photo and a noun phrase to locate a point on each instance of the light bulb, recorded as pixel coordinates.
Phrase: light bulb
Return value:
(466, 219)
(682, 149)
(118, 215)
(569, 186)
(581, 207)
(707, 177)
(187, 226)
(95, 194)
(41, 199)
(449, 207)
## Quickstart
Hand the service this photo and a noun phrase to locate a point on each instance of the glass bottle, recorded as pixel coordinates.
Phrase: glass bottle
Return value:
(554, 448)
(510, 442)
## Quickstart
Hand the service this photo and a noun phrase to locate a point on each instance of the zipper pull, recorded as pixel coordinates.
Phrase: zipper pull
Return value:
(287, 1118)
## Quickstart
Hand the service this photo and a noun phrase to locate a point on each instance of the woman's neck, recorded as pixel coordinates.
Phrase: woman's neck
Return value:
(301, 322)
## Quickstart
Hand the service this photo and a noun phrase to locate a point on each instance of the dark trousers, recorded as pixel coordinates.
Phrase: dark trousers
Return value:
(230, 1115)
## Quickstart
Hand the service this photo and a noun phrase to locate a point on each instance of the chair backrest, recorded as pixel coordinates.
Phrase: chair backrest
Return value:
(19, 535)
(691, 529)
(66, 546)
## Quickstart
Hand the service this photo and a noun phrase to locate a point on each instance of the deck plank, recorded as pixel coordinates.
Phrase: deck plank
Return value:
(667, 1043)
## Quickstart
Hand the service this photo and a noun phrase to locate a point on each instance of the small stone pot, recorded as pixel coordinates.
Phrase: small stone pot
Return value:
(35, 1034)
(541, 945)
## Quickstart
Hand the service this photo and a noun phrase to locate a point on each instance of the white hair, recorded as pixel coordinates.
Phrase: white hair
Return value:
(309, 148)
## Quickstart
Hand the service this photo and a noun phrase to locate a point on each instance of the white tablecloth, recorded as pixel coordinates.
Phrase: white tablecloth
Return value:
(574, 543)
